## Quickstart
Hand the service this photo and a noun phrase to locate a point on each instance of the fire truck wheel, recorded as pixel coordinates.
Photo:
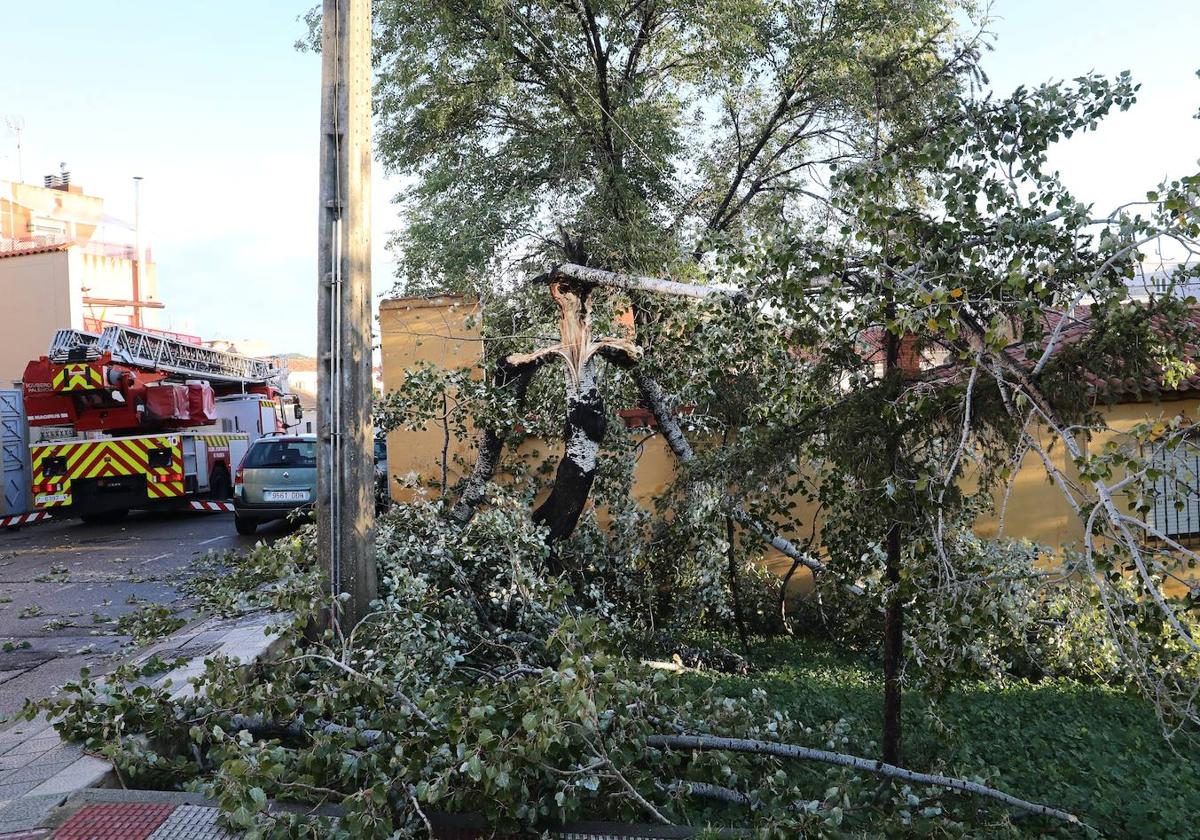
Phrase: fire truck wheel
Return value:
(220, 487)
(244, 526)
(106, 517)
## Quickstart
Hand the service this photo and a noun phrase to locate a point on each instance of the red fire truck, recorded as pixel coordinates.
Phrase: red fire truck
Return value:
(135, 419)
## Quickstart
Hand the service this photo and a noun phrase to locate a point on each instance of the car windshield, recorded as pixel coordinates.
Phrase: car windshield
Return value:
(282, 453)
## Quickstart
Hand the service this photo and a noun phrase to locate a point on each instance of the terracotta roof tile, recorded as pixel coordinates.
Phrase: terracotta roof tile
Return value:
(34, 249)
(1113, 384)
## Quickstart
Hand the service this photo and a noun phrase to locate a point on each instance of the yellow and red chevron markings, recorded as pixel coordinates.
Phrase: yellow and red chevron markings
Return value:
(221, 441)
(81, 377)
(99, 458)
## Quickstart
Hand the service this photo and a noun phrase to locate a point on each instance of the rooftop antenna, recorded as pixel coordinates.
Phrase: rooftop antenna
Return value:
(16, 124)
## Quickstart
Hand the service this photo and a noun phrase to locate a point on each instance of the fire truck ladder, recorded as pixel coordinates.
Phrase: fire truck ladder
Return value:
(74, 345)
(144, 349)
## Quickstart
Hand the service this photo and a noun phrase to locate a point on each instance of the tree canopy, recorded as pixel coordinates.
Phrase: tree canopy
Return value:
(637, 134)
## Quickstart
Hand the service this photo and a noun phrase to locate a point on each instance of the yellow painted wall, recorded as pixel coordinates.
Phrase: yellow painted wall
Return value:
(1036, 508)
(438, 330)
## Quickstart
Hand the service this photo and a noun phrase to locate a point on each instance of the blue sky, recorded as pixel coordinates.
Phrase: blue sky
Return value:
(213, 106)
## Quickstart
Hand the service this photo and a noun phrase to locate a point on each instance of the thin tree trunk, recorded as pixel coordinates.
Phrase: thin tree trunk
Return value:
(893, 622)
(445, 444)
(734, 587)
(893, 651)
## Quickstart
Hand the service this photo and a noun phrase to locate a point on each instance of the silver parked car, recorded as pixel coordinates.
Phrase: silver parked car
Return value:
(277, 476)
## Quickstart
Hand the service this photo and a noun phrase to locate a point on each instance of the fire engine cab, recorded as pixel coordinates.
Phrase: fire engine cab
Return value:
(134, 419)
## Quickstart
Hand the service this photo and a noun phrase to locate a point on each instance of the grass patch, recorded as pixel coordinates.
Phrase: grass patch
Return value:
(1094, 750)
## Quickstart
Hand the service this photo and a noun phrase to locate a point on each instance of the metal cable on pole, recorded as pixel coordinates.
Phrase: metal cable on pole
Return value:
(345, 459)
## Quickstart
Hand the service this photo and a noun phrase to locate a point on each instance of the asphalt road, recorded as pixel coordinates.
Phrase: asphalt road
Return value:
(63, 584)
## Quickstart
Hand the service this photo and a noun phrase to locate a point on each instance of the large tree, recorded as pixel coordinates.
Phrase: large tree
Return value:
(636, 134)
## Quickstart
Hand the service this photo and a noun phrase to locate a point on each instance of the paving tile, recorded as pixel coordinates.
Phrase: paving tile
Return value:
(28, 728)
(30, 766)
(193, 822)
(27, 812)
(61, 754)
(36, 746)
(114, 821)
(84, 772)
(8, 762)
(39, 771)
(11, 790)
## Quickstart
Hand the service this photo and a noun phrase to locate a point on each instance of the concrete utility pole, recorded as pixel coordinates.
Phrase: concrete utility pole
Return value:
(345, 448)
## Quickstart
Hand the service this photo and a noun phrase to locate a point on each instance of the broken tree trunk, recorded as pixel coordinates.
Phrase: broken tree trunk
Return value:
(583, 432)
(570, 286)
(584, 428)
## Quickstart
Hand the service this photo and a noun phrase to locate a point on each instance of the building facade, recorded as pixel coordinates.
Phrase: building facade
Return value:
(65, 263)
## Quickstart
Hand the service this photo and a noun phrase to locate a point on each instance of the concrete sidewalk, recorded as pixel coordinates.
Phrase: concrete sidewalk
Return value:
(39, 771)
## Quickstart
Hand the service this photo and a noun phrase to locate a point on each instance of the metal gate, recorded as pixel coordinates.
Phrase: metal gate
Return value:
(14, 454)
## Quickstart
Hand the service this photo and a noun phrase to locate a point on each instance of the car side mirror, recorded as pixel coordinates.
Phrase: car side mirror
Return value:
(298, 410)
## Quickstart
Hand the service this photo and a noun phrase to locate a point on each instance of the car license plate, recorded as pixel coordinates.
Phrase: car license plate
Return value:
(285, 496)
(51, 500)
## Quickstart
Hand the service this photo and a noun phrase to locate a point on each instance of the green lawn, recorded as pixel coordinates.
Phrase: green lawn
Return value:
(1095, 751)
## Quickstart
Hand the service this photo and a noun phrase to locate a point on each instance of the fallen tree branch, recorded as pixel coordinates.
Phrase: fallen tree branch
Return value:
(655, 401)
(781, 544)
(636, 282)
(705, 790)
(866, 765)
